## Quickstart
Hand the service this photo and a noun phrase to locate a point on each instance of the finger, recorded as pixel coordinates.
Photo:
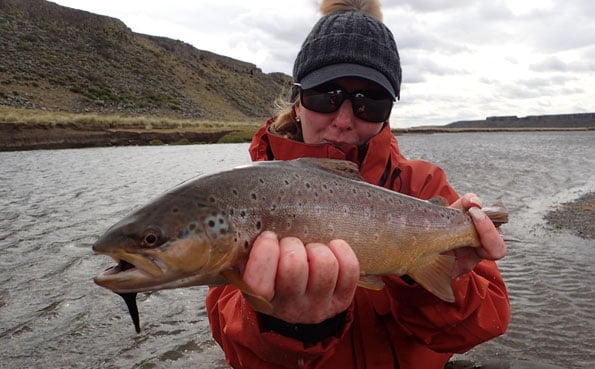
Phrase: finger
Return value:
(261, 268)
(349, 271)
(467, 201)
(323, 271)
(493, 246)
(292, 272)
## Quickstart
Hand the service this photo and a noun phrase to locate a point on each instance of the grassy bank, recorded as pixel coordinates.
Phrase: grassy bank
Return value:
(51, 119)
(23, 129)
(28, 129)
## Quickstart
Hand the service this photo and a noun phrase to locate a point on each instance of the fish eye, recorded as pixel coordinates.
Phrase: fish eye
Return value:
(151, 238)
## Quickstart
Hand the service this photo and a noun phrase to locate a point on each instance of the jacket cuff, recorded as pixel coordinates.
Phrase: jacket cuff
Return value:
(309, 334)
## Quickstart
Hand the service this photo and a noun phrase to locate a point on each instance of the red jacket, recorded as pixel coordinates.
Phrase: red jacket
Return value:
(402, 322)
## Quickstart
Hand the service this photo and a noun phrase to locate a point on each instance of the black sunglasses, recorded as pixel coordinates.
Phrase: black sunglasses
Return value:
(371, 106)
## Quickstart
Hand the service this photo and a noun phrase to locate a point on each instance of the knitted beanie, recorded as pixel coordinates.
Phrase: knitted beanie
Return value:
(348, 44)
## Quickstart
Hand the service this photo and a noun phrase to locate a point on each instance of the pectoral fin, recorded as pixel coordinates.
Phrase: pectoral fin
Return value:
(435, 277)
(258, 302)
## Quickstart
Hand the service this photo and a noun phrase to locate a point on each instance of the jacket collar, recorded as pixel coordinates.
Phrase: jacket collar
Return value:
(372, 157)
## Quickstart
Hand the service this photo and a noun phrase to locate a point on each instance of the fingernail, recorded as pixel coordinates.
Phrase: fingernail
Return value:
(475, 201)
(269, 235)
(477, 214)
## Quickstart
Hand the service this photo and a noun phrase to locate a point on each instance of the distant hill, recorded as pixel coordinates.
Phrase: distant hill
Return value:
(57, 58)
(561, 121)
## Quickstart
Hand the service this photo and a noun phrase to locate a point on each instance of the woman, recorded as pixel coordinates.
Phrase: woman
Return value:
(348, 76)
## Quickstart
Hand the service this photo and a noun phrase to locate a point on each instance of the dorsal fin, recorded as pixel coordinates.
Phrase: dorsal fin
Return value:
(344, 168)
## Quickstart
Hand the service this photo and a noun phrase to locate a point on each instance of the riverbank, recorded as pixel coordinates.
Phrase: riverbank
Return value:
(30, 129)
(22, 129)
(577, 216)
(19, 136)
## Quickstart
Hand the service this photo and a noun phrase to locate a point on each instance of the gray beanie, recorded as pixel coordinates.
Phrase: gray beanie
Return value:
(348, 43)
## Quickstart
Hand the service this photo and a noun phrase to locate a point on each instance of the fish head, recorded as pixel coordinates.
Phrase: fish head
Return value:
(172, 242)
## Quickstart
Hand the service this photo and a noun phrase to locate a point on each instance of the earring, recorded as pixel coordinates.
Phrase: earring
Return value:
(297, 119)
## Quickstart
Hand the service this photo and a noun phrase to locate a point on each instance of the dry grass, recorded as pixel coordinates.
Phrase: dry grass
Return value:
(122, 122)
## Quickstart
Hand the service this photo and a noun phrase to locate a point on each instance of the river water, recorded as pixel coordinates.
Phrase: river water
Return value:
(55, 203)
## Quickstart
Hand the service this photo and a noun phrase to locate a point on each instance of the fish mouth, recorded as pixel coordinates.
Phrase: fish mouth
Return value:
(122, 266)
(132, 273)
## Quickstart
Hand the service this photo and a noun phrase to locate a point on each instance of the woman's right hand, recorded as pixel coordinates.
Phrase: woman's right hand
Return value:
(304, 283)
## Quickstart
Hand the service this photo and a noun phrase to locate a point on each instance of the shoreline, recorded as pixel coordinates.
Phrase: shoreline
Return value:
(23, 136)
(576, 216)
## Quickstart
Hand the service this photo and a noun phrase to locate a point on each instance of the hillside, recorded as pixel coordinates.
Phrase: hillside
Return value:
(61, 59)
(561, 121)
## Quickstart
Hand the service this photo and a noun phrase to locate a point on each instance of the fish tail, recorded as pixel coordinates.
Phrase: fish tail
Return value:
(497, 213)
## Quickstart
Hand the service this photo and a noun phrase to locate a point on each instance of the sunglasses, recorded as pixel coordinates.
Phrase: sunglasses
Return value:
(370, 106)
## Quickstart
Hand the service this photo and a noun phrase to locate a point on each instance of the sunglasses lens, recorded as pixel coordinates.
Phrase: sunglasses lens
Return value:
(368, 106)
(371, 109)
(322, 101)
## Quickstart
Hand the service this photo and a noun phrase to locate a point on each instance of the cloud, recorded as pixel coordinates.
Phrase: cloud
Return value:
(461, 60)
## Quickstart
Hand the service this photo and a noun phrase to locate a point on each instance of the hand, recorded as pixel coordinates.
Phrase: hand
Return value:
(492, 245)
(305, 284)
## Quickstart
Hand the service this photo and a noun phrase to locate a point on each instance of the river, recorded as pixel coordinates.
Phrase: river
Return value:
(55, 203)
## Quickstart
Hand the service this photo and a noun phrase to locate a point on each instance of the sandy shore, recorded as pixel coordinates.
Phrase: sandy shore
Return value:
(577, 216)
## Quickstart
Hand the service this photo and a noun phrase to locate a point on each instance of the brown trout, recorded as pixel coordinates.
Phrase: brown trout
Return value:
(201, 232)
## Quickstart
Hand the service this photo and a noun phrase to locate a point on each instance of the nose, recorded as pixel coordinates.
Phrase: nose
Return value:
(344, 118)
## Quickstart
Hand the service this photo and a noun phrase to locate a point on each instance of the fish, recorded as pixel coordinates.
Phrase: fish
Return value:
(201, 231)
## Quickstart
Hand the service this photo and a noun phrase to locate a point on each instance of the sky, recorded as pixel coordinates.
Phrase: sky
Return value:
(461, 59)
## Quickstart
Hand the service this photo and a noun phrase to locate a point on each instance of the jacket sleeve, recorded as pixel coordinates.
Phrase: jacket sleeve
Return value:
(481, 310)
(238, 330)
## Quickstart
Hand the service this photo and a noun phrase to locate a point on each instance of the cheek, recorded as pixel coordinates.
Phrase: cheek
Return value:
(314, 126)
(366, 131)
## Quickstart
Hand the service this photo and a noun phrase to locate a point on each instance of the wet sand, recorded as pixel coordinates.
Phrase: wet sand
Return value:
(577, 216)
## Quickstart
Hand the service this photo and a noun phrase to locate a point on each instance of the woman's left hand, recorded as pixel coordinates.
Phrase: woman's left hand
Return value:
(492, 246)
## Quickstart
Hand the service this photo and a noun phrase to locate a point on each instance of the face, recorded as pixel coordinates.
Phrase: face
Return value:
(341, 126)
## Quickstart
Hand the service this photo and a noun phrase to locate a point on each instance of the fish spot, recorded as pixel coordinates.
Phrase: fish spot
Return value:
(261, 180)
(286, 182)
(234, 192)
(253, 196)
(246, 245)
(212, 199)
(175, 210)
(258, 225)
(273, 207)
(243, 213)
(308, 185)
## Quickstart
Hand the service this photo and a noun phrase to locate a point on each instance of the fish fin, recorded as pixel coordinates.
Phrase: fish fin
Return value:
(439, 200)
(260, 303)
(344, 168)
(371, 282)
(130, 299)
(497, 213)
(435, 277)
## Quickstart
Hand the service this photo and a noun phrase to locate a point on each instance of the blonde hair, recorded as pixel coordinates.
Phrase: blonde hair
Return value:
(286, 123)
